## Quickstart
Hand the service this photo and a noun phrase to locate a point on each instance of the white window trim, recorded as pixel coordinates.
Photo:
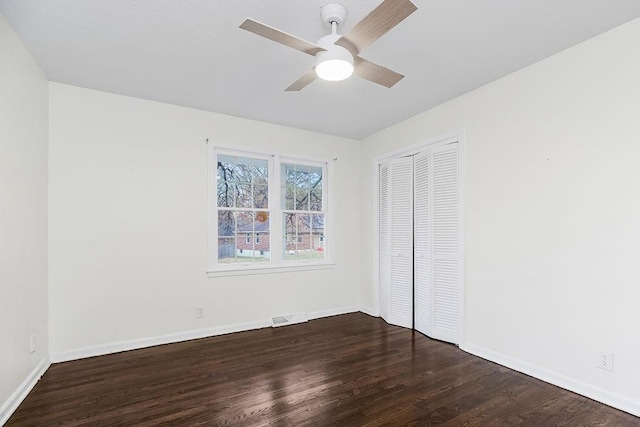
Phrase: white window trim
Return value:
(250, 269)
(276, 263)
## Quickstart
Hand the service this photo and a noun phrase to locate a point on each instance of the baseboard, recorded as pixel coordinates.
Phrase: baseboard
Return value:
(9, 407)
(331, 312)
(595, 393)
(367, 310)
(120, 346)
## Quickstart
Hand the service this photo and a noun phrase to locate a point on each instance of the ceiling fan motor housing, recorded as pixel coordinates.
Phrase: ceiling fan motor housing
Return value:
(333, 12)
(338, 58)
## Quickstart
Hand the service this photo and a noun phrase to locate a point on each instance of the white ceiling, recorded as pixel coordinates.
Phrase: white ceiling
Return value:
(192, 53)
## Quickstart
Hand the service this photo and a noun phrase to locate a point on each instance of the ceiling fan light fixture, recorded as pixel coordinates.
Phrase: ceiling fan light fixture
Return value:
(334, 64)
(336, 61)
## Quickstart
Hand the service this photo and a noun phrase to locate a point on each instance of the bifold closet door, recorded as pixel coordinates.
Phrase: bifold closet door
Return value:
(423, 279)
(396, 242)
(437, 245)
(385, 241)
(446, 243)
(420, 242)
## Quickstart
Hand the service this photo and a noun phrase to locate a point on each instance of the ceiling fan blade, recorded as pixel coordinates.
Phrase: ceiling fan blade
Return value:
(377, 23)
(306, 78)
(376, 73)
(280, 37)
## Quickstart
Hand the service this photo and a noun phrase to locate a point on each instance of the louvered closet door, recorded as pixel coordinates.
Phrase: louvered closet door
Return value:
(446, 243)
(401, 239)
(423, 278)
(385, 242)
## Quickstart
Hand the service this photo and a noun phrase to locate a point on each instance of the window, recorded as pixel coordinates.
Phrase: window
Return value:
(260, 196)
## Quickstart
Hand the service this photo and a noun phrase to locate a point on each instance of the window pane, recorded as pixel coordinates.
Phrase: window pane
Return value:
(226, 223)
(226, 194)
(262, 221)
(262, 247)
(243, 169)
(289, 197)
(304, 223)
(260, 196)
(245, 247)
(315, 175)
(302, 176)
(302, 199)
(315, 184)
(318, 224)
(262, 242)
(316, 197)
(225, 165)
(302, 188)
(289, 245)
(289, 226)
(317, 238)
(245, 223)
(226, 250)
(261, 172)
(244, 195)
(288, 189)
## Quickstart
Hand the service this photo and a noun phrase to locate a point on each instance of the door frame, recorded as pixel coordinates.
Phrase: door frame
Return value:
(459, 136)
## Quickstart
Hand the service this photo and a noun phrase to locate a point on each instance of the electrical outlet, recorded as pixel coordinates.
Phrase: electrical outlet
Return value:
(199, 312)
(32, 343)
(605, 360)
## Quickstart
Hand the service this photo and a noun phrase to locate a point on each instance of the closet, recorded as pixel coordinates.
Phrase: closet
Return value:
(420, 241)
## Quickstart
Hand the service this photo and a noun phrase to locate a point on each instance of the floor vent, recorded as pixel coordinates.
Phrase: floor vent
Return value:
(289, 320)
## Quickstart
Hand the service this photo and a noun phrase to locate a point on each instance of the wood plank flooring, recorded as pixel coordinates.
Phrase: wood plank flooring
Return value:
(350, 370)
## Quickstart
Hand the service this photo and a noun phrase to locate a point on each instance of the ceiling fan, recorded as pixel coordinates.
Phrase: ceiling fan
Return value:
(337, 56)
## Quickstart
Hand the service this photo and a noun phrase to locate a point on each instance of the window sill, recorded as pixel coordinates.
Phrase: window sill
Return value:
(248, 269)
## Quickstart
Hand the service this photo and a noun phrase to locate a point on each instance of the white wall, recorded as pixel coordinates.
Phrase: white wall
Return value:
(552, 213)
(551, 217)
(128, 222)
(23, 215)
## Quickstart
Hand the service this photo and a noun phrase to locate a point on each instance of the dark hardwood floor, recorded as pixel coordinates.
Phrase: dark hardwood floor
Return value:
(339, 371)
